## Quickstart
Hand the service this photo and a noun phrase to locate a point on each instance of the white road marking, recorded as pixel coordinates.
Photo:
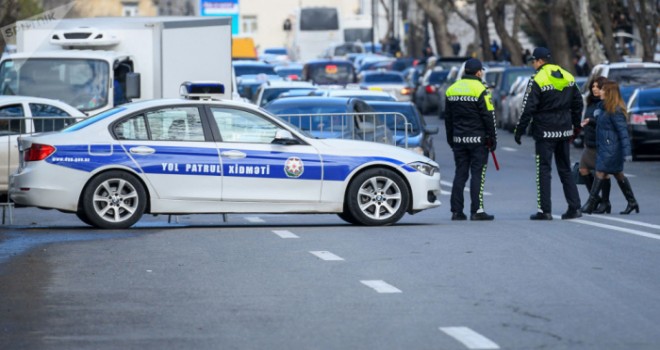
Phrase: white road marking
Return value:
(632, 222)
(254, 219)
(285, 234)
(469, 338)
(615, 228)
(451, 184)
(325, 255)
(381, 286)
(509, 149)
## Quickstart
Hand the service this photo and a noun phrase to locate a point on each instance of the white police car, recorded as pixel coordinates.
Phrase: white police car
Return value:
(202, 156)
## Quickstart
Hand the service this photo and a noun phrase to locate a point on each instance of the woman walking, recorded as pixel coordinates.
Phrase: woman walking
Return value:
(588, 159)
(613, 146)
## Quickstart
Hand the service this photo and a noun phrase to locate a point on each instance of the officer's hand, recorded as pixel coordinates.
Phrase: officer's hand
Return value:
(491, 144)
(576, 132)
(517, 138)
(628, 159)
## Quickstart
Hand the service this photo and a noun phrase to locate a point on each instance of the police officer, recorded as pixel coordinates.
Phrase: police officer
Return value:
(470, 125)
(553, 104)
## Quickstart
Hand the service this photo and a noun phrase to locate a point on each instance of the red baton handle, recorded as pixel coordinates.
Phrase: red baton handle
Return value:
(497, 165)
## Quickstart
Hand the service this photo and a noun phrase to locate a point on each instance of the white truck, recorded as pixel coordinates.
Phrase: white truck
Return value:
(95, 64)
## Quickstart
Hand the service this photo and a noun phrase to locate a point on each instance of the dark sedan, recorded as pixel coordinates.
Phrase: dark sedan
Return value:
(643, 111)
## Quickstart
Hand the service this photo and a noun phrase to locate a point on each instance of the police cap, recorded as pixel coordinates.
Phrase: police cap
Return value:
(472, 66)
(540, 53)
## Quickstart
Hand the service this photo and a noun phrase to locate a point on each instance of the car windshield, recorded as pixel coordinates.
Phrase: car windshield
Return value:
(383, 78)
(635, 76)
(343, 50)
(81, 83)
(253, 70)
(438, 77)
(331, 73)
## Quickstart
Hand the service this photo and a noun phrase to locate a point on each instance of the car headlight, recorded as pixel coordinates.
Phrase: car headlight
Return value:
(424, 168)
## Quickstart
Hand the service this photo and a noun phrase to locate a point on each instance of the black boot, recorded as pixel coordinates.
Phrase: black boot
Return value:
(630, 197)
(605, 206)
(591, 204)
(589, 183)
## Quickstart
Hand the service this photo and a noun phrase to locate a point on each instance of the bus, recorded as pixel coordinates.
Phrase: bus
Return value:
(313, 30)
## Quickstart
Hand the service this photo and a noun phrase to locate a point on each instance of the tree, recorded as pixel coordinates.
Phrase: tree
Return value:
(644, 14)
(588, 37)
(509, 42)
(482, 20)
(607, 34)
(437, 11)
(15, 10)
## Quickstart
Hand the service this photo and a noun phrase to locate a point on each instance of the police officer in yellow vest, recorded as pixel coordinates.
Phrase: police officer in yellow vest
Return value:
(553, 104)
(470, 125)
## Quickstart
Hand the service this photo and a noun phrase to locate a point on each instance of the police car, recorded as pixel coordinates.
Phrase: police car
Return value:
(198, 155)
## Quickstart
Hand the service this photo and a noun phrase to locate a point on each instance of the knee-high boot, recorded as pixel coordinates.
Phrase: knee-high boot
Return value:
(630, 196)
(605, 206)
(591, 204)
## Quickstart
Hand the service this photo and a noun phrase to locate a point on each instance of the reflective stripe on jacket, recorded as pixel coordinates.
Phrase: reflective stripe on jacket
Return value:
(469, 112)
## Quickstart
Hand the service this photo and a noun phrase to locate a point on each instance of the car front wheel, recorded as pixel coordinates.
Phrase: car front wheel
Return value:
(377, 197)
(114, 200)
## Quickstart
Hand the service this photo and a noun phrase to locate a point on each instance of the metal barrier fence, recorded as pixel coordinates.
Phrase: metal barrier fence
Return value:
(11, 129)
(388, 128)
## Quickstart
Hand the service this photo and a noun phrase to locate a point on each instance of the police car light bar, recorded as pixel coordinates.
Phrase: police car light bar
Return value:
(202, 90)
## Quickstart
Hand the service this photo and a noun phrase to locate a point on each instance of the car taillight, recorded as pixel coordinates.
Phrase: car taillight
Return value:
(430, 89)
(406, 91)
(38, 152)
(294, 77)
(641, 119)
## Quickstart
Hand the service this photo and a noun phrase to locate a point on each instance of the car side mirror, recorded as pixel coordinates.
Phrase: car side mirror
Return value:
(431, 130)
(132, 85)
(284, 137)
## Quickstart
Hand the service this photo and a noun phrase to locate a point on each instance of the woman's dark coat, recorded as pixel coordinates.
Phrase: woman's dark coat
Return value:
(613, 143)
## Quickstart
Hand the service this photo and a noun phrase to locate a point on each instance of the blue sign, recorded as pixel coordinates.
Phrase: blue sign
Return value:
(222, 8)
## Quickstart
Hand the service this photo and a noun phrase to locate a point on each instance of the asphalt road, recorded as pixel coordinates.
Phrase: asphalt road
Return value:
(314, 282)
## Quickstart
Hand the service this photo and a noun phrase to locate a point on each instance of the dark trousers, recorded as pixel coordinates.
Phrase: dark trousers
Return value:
(545, 149)
(471, 160)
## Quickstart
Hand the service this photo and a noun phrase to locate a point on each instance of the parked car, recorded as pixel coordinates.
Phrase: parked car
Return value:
(179, 156)
(290, 71)
(248, 84)
(270, 90)
(247, 67)
(630, 76)
(499, 79)
(426, 95)
(514, 103)
(275, 55)
(391, 82)
(452, 76)
(362, 94)
(329, 72)
(332, 117)
(22, 115)
(643, 124)
(419, 136)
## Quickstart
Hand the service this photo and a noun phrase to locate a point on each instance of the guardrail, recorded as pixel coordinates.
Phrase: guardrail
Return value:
(11, 130)
(388, 128)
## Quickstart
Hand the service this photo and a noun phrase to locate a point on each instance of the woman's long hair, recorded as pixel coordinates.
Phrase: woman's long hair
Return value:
(599, 81)
(612, 98)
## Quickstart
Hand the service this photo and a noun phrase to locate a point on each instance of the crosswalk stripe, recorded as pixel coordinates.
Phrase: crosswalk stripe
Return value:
(470, 338)
(381, 286)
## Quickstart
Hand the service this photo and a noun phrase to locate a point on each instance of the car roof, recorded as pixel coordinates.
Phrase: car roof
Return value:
(313, 100)
(246, 63)
(391, 103)
(617, 65)
(355, 92)
(329, 60)
(288, 83)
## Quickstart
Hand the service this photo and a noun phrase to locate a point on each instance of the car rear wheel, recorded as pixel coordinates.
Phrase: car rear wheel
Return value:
(114, 200)
(377, 197)
(346, 216)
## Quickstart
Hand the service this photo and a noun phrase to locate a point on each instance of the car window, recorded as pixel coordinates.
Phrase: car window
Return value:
(649, 99)
(383, 78)
(167, 124)
(634, 76)
(9, 126)
(242, 126)
(42, 124)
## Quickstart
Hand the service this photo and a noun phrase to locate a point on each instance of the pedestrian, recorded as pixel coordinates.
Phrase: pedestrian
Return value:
(588, 160)
(613, 147)
(553, 104)
(470, 125)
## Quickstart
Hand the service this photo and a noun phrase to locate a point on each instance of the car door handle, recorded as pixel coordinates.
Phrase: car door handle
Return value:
(232, 154)
(142, 150)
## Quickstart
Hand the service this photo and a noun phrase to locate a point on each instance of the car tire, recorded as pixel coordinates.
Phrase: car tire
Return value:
(83, 217)
(114, 200)
(346, 216)
(377, 197)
